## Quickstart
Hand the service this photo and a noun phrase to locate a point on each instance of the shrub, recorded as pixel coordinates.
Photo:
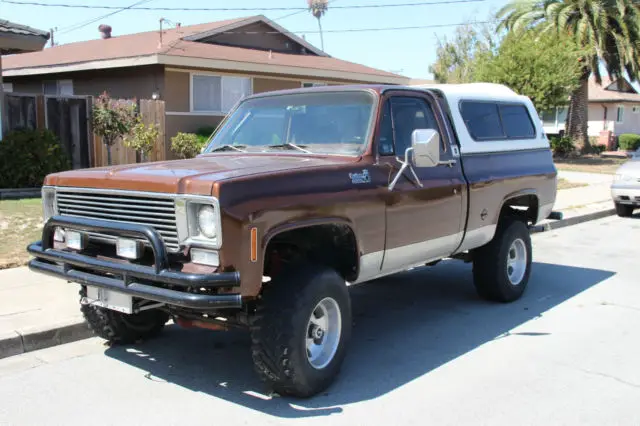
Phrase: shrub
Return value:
(629, 141)
(142, 138)
(206, 131)
(28, 156)
(598, 148)
(187, 145)
(562, 145)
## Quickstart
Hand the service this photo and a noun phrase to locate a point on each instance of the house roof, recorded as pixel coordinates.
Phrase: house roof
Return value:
(619, 90)
(177, 49)
(12, 27)
(16, 38)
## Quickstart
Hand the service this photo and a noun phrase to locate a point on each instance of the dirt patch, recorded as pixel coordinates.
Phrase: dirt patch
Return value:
(20, 225)
(590, 164)
(565, 184)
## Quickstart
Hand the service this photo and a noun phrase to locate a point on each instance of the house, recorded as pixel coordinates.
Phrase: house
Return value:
(614, 106)
(200, 71)
(15, 38)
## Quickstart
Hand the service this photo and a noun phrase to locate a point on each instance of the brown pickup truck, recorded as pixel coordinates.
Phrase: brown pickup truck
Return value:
(298, 195)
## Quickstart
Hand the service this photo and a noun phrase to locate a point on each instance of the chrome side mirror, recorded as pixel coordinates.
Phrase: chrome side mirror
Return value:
(426, 147)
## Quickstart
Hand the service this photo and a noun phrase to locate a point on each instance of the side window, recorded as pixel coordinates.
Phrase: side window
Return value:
(400, 117)
(497, 121)
(482, 120)
(516, 121)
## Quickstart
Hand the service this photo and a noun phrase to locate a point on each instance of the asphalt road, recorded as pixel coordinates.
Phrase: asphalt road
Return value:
(425, 351)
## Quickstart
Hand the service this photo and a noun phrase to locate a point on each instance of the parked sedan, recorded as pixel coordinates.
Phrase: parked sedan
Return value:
(625, 189)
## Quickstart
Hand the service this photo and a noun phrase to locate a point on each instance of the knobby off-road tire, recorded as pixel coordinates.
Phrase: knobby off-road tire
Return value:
(502, 267)
(120, 328)
(624, 210)
(282, 325)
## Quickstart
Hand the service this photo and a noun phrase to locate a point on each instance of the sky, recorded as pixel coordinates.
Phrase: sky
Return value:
(408, 52)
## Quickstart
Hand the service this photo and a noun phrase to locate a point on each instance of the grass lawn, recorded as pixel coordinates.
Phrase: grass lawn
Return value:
(565, 184)
(20, 224)
(589, 164)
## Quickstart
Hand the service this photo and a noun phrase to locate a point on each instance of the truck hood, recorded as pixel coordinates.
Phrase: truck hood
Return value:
(193, 176)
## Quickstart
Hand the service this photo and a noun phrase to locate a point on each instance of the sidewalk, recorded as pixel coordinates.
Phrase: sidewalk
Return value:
(37, 311)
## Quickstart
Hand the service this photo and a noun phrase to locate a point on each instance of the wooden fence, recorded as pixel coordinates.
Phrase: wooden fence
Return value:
(151, 111)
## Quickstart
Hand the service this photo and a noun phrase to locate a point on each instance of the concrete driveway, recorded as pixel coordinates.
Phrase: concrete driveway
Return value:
(425, 351)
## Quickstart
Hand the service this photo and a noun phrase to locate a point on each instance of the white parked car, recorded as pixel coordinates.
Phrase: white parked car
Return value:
(625, 189)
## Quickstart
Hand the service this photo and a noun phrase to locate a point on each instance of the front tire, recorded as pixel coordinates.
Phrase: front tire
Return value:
(301, 330)
(502, 267)
(624, 210)
(120, 328)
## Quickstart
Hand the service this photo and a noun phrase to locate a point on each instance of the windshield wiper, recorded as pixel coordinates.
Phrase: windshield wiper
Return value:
(290, 146)
(227, 146)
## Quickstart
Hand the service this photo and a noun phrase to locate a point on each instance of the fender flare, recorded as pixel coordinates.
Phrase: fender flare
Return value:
(307, 223)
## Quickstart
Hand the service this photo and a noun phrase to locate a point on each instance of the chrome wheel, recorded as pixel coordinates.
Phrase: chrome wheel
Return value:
(323, 333)
(517, 261)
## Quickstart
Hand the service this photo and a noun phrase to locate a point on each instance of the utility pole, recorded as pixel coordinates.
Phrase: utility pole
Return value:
(51, 34)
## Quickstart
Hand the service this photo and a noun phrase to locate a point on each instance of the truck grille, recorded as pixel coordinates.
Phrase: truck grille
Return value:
(151, 210)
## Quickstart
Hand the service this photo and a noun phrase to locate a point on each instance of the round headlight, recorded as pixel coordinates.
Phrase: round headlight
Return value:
(207, 221)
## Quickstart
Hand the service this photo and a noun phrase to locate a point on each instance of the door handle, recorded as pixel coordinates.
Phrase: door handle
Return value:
(449, 163)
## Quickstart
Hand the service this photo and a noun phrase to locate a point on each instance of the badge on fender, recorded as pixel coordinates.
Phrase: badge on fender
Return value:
(363, 177)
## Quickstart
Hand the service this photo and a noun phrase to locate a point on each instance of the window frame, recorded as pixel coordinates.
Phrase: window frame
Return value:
(57, 83)
(431, 103)
(498, 104)
(222, 77)
(619, 114)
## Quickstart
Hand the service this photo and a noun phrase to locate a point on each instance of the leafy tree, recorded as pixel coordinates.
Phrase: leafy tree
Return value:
(142, 138)
(112, 119)
(544, 67)
(607, 30)
(456, 59)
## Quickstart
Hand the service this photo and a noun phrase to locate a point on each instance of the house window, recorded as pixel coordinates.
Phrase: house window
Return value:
(312, 84)
(620, 114)
(7, 87)
(58, 87)
(635, 109)
(217, 94)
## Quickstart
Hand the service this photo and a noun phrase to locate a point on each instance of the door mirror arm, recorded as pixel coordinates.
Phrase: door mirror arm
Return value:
(405, 164)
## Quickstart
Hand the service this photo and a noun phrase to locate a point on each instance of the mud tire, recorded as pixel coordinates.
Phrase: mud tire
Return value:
(280, 326)
(490, 263)
(120, 328)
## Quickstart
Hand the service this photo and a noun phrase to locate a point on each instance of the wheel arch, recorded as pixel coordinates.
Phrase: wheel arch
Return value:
(524, 203)
(307, 227)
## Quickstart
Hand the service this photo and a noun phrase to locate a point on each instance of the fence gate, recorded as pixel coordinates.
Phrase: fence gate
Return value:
(68, 117)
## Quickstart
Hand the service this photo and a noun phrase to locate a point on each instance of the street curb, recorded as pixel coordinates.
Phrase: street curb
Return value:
(16, 343)
(557, 224)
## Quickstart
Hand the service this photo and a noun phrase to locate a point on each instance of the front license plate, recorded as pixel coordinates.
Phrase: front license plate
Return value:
(110, 299)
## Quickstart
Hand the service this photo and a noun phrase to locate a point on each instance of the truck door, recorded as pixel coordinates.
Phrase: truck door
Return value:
(425, 222)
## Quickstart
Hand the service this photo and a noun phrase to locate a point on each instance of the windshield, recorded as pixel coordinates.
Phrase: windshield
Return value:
(319, 123)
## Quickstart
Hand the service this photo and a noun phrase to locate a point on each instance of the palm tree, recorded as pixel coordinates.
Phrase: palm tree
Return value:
(608, 32)
(318, 8)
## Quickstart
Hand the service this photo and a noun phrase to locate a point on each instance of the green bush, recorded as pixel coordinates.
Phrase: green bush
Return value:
(598, 148)
(629, 141)
(28, 156)
(206, 131)
(562, 145)
(187, 145)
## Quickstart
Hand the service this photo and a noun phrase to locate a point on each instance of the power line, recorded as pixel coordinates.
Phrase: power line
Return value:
(357, 30)
(299, 12)
(230, 9)
(83, 24)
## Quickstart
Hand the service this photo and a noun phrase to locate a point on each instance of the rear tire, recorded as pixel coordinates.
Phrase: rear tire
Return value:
(301, 330)
(624, 210)
(120, 328)
(502, 267)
